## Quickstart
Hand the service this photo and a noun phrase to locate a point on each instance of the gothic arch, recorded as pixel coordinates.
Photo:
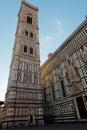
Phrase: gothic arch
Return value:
(25, 48)
(31, 50)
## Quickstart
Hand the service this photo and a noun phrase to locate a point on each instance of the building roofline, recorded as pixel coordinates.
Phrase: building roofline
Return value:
(65, 43)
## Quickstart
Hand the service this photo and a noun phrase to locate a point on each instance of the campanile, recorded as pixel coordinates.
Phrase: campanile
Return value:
(23, 98)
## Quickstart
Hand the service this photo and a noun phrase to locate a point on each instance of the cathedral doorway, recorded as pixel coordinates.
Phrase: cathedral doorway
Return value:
(81, 107)
(30, 119)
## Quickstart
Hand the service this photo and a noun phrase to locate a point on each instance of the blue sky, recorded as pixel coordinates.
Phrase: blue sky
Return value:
(57, 20)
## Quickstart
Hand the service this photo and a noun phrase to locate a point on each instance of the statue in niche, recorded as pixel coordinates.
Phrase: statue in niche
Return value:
(19, 76)
(60, 74)
(84, 57)
(72, 76)
(71, 73)
(30, 78)
(35, 78)
(25, 76)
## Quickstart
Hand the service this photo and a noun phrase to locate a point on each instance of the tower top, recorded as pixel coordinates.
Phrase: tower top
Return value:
(24, 2)
(30, 5)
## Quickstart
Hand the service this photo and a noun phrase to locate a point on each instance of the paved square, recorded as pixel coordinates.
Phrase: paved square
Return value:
(59, 126)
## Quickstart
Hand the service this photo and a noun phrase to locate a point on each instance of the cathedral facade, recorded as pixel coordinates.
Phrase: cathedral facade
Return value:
(64, 79)
(23, 100)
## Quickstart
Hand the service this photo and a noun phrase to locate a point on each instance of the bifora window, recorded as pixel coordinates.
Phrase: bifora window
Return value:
(29, 19)
(31, 51)
(26, 33)
(25, 48)
(31, 35)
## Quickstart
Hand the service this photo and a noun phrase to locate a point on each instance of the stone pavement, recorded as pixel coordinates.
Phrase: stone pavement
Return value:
(59, 126)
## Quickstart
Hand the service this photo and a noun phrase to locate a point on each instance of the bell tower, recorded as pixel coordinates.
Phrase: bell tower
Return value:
(24, 94)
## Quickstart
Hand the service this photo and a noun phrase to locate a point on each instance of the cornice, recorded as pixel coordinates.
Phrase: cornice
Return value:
(29, 5)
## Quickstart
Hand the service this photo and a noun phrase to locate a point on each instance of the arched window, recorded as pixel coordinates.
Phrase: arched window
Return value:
(26, 33)
(31, 51)
(25, 48)
(31, 35)
(29, 19)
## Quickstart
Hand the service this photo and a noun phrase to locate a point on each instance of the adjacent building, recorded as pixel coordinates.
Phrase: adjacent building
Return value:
(1, 109)
(23, 100)
(64, 79)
